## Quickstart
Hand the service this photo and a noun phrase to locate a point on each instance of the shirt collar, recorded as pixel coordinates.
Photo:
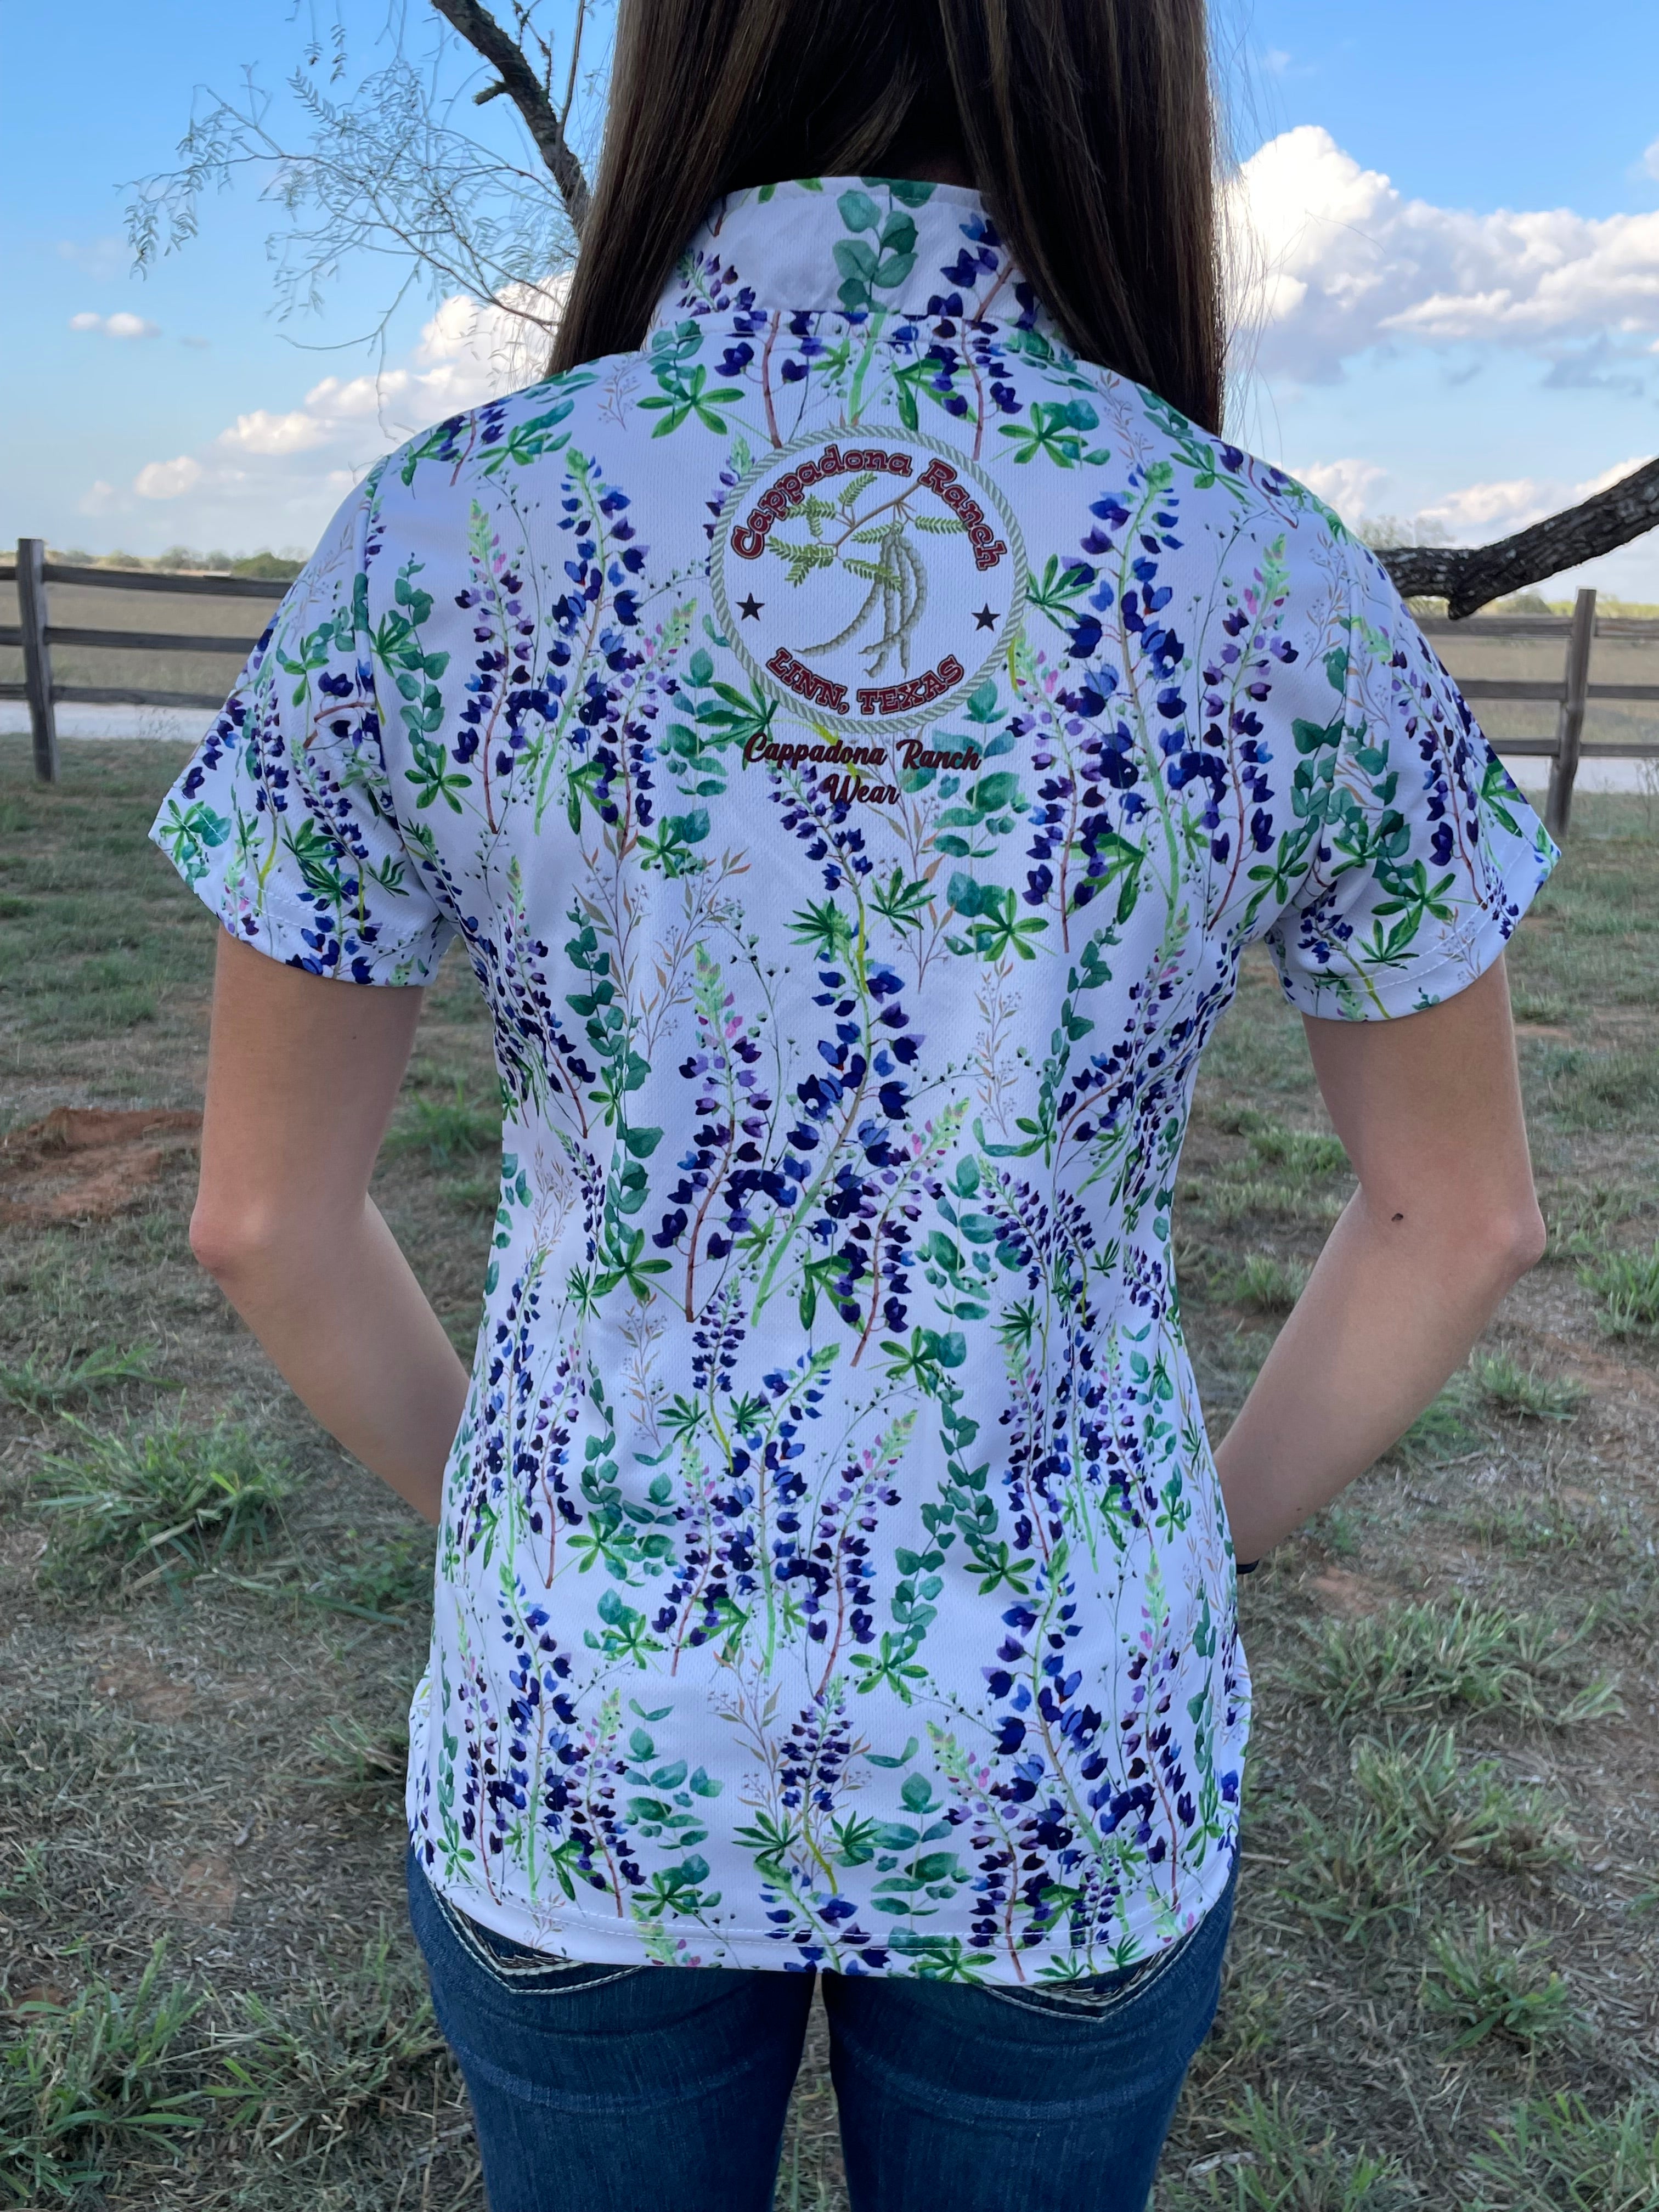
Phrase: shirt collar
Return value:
(848, 246)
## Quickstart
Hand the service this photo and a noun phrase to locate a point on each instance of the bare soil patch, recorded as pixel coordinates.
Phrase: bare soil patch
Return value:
(87, 1163)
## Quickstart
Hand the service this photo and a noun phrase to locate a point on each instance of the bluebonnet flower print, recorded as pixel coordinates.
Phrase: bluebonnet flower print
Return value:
(852, 741)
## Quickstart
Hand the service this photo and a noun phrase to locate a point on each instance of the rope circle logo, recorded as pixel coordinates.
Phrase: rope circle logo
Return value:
(870, 578)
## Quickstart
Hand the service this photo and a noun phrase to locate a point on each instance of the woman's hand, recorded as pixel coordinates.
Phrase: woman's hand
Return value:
(1444, 1221)
(303, 1076)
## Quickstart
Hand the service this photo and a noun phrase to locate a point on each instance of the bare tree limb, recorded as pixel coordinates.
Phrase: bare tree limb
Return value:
(519, 81)
(576, 56)
(1466, 577)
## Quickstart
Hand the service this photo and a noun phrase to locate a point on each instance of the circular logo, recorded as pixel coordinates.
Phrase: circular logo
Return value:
(868, 579)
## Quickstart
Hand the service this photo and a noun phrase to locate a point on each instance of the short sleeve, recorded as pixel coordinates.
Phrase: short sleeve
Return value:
(1424, 855)
(284, 821)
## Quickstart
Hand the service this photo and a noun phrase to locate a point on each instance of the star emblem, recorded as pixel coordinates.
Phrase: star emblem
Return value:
(750, 608)
(985, 619)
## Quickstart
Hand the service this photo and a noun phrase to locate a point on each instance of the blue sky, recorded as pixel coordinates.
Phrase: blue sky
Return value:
(1468, 103)
(1456, 311)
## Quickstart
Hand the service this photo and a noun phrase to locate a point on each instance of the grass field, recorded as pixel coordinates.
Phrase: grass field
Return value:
(1444, 1986)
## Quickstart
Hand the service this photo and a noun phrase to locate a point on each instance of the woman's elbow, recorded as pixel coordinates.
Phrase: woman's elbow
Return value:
(220, 1239)
(1504, 1242)
(235, 1236)
(1484, 1241)
(1525, 1239)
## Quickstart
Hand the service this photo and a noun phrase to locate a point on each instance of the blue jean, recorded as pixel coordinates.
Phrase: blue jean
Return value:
(606, 2088)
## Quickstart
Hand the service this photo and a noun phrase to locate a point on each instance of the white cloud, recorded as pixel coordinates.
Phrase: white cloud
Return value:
(1473, 514)
(1609, 477)
(1480, 512)
(98, 498)
(1339, 261)
(1345, 485)
(1650, 162)
(276, 473)
(120, 324)
(1334, 258)
(512, 337)
(168, 479)
(360, 399)
(264, 432)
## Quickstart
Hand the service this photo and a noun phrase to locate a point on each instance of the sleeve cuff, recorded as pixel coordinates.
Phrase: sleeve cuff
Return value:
(1415, 988)
(285, 929)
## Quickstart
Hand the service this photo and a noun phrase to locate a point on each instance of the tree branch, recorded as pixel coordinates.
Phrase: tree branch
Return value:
(1466, 577)
(519, 81)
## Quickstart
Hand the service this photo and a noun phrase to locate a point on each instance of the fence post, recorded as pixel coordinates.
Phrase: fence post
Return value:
(1570, 721)
(37, 654)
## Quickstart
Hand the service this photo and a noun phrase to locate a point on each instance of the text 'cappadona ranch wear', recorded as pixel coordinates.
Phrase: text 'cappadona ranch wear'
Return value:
(854, 740)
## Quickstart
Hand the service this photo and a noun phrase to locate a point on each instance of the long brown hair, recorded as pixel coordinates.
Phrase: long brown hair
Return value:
(1088, 125)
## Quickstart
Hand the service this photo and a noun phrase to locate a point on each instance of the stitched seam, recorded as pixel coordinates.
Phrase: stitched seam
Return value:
(1522, 876)
(1062, 2004)
(507, 1973)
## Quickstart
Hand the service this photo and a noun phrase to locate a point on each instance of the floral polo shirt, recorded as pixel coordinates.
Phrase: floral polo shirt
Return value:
(852, 740)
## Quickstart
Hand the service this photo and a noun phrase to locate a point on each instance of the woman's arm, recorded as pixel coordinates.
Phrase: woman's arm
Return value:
(1444, 1221)
(303, 1075)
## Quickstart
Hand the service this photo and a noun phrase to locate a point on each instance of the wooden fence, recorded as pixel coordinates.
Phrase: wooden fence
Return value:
(1571, 697)
(37, 633)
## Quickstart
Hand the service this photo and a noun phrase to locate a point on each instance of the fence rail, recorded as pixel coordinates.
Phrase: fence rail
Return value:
(147, 579)
(135, 640)
(36, 635)
(1635, 629)
(1571, 697)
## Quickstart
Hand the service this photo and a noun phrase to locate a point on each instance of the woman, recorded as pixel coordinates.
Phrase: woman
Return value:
(854, 714)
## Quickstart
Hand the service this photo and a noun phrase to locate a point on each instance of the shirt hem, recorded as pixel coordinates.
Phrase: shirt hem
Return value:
(587, 1940)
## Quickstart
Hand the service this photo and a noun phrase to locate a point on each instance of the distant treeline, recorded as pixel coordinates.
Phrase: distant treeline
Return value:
(1534, 603)
(185, 560)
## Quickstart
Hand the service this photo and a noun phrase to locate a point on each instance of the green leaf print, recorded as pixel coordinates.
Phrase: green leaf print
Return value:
(1055, 430)
(671, 848)
(1056, 592)
(866, 268)
(190, 835)
(529, 441)
(433, 776)
(999, 927)
(623, 1632)
(683, 396)
(908, 192)
(859, 211)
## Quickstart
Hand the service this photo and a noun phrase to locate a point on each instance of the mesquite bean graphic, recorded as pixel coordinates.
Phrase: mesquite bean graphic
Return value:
(901, 586)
